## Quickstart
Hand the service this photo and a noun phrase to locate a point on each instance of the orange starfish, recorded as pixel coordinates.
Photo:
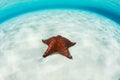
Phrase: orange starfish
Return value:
(58, 44)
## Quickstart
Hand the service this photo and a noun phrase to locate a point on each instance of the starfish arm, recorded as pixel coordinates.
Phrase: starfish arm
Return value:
(51, 48)
(66, 53)
(71, 44)
(68, 42)
(47, 41)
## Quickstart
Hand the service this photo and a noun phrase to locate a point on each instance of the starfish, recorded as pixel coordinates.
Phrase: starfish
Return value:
(58, 44)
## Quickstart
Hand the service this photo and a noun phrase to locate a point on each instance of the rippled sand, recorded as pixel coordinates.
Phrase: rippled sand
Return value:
(96, 56)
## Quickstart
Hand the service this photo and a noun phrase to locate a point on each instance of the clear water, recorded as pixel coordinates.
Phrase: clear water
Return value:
(95, 56)
(93, 24)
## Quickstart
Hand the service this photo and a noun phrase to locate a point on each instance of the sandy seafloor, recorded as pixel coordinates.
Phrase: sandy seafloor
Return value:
(96, 56)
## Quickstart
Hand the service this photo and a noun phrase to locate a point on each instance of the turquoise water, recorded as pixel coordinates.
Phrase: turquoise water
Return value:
(92, 24)
(12, 8)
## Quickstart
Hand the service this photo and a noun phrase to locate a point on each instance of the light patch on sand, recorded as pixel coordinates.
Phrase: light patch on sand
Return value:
(96, 56)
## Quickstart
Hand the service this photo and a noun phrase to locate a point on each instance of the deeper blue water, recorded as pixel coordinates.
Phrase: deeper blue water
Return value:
(12, 8)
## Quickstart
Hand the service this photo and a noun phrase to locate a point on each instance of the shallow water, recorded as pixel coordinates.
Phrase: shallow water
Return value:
(95, 56)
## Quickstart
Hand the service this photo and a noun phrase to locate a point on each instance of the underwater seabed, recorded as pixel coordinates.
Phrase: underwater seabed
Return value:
(96, 56)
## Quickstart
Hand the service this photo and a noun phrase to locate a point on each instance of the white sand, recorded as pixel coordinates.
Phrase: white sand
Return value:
(96, 56)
